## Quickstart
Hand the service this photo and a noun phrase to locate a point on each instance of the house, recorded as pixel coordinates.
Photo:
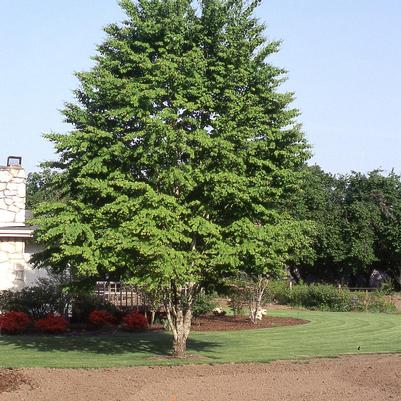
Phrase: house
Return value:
(16, 237)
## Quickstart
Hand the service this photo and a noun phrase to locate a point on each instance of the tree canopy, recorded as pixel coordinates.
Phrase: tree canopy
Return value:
(181, 156)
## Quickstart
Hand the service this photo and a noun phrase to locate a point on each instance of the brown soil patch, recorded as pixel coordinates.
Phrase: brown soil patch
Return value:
(396, 300)
(225, 323)
(11, 380)
(351, 378)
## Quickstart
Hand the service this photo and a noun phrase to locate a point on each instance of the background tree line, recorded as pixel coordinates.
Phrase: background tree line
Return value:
(357, 220)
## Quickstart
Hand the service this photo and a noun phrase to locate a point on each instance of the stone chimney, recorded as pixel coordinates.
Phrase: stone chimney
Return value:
(12, 195)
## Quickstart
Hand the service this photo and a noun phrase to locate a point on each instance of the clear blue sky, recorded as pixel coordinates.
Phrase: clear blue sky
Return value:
(343, 58)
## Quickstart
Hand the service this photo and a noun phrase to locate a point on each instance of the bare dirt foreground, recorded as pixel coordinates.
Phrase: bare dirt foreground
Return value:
(354, 378)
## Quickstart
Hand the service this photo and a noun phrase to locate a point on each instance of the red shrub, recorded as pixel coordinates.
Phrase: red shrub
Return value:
(101, 318)
(52, 324)
(135, 321)
(14, 322)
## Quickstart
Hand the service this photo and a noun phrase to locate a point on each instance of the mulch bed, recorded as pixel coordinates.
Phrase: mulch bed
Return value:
(210, 323)
(226, 323)
(11, 380)
(203, 323)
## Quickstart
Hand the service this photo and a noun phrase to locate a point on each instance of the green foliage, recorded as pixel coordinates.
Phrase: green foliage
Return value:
(47, 296)
(204, 304)
(277, 291)
(327, 298)
(44, 186)
(83, 304)
(55, 295)
(246, 292)
(181, 153)
(387, 288)
(357, 219)
(152, 297)
(238, 302)
(238, 293)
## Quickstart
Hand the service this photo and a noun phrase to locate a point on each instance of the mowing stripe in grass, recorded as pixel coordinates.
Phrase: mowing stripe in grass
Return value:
(327, 334)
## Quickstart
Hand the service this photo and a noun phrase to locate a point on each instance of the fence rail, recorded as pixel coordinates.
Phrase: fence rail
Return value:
(120, 294)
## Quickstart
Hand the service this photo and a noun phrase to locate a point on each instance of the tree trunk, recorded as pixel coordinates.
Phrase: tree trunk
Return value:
(152, 318)
(181, 327)
(180, 341)
(179, 317)
(255, 302)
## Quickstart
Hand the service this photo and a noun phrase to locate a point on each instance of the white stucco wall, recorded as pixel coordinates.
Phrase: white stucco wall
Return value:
(15, 270)
(11, 259)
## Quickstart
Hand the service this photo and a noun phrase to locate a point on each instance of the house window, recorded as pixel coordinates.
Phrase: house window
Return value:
(19, 272)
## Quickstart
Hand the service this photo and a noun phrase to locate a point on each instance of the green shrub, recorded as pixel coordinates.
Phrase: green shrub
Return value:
(319, 296)
(204, 304)
(48, 295)
(327, 298)
(83, 304)
(371, 302)
(387, 287)
(237, 302)
(277, 292)
(37, 301)
(240, 293)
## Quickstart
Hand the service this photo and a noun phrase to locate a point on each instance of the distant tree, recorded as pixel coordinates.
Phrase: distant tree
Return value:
(182, 153)
(385, 193)
(362, 222)
(321, 200)
(44, 185)
(357, 218)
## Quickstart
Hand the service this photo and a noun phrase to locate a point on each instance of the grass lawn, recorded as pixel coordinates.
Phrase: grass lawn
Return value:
(327, 334)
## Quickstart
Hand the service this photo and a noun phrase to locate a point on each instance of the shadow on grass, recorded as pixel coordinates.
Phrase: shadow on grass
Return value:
(153, 343)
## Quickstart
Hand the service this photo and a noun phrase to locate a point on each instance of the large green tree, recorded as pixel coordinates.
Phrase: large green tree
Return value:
(182, 152)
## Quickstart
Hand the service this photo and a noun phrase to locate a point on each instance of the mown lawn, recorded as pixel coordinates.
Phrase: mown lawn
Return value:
(327, 334)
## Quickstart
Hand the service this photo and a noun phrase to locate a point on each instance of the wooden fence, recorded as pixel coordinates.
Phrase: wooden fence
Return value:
(120, 294)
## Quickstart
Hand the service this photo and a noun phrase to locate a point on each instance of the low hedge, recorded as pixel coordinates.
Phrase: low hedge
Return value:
(14, 322)
(52, 324)
(134, 321)
(327, 298)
